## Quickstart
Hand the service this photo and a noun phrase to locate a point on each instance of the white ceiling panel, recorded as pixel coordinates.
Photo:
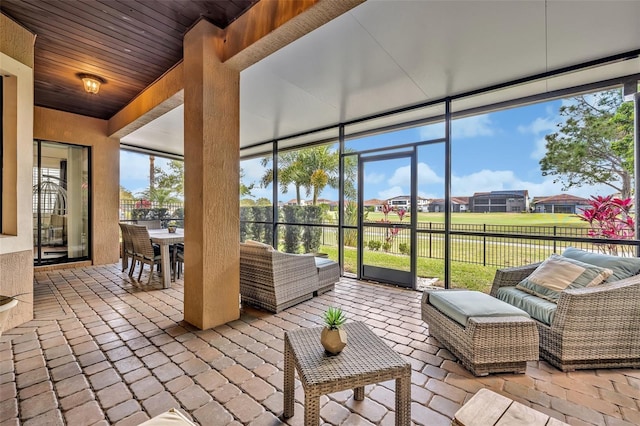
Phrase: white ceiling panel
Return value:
(454, 47)
(388, 54)
(164, 134)
(580, 31)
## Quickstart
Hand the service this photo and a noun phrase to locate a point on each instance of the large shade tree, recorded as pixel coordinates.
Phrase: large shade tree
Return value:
(594, 143)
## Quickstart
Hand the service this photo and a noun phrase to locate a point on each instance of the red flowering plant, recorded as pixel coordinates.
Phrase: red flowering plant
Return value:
(386, 209)
(391, 232)
(609, 218)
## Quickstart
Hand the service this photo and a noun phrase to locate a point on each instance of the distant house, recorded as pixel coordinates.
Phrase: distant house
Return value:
(500, 201)
(375, 203)
(562, 203)
(458, 204)
(294, 202)
(404, 202)
(333, 205)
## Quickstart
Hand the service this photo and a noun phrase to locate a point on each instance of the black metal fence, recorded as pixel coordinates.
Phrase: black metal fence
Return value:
(133, 211)
(488, 245)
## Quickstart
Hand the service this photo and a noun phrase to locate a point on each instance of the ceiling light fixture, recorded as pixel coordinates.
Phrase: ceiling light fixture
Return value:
(91, 82)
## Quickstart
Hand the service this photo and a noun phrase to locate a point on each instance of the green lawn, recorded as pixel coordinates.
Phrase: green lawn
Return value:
(516, 219)
(463, 275)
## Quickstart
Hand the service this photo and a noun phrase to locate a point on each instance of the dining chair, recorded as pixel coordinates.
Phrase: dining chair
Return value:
(144, 251)
(127, 247)
(178, 259)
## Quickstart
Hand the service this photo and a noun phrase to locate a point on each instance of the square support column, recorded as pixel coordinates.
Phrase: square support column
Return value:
(212, 166)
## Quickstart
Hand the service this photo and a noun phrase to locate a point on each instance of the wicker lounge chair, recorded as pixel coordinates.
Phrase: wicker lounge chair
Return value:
(594, 327)
(273, 280)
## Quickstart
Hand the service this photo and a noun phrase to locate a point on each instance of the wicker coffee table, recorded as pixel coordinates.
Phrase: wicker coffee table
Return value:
(365, 360)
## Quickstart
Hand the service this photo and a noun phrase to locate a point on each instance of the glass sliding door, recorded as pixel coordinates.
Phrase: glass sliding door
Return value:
(60, 197)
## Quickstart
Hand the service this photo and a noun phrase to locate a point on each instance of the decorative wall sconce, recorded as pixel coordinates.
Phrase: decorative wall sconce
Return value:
(91, 82)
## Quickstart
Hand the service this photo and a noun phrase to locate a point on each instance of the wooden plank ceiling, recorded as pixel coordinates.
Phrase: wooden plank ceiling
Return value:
(128, 43)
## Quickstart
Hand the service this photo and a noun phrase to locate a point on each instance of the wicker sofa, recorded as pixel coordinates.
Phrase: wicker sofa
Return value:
(594, 327)
(274, 280)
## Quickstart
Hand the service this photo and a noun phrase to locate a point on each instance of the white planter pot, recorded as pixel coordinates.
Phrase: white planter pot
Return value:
(6, 304)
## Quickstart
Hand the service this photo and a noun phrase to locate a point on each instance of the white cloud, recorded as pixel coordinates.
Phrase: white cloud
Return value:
(462, 128)
(253, 170)
(540, 149)
(497, 180)
(471, 127)
(374, 178)
(539, 125)
(391, 192)
(426, 175)
(432, 131)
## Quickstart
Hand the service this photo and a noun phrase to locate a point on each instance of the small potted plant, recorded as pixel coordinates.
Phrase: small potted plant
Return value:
(333, 337)
(171, 226)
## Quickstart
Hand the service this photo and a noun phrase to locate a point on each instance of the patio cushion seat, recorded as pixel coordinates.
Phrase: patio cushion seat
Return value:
(328, 274)
(539, 309)
(461, 305)
(485, 334)
(622, 267)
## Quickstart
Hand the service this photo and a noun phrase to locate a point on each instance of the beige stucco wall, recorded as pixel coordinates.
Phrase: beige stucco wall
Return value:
(58, 126)
(16, 250)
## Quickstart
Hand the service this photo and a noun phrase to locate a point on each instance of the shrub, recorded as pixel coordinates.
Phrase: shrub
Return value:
(386, 246)
(609, 218)
(311, 235)
(374, 245)
(404, 248)
(292, 214)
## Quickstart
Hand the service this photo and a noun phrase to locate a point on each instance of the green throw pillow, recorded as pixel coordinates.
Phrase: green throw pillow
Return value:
(622, 267)
(559, 273)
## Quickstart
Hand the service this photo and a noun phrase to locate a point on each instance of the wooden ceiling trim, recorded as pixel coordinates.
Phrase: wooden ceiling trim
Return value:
(260, 20)
(159, 11)
(68, 72)
(106, 39)
(163, 95)
(89, 18)
(156, 32)
(130, 43)
(124, 68)
(63, 24)
(79, 37)
(133, 71)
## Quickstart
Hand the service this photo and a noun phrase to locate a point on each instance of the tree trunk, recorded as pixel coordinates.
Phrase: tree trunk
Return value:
(152, 175)
(625, 192)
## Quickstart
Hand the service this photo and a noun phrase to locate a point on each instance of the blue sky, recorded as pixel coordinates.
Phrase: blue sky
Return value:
(495, 151)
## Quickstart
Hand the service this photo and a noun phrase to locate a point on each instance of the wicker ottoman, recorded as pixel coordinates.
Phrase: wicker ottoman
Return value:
(501, 340)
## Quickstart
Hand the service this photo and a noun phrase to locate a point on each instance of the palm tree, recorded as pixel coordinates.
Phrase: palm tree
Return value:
(290, 171)
(310, 168)
(322, 164)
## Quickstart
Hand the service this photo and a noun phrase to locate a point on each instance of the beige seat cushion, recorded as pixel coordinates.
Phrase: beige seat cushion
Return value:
(559, 273)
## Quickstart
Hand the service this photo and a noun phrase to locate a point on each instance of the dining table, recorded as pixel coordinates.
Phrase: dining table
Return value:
(164, 239)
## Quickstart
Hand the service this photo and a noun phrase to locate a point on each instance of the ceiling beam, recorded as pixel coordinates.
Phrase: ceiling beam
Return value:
(272, 24)
(262, 30)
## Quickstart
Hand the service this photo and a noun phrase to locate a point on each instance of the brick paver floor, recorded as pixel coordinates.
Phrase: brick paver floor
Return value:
(104, 349)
